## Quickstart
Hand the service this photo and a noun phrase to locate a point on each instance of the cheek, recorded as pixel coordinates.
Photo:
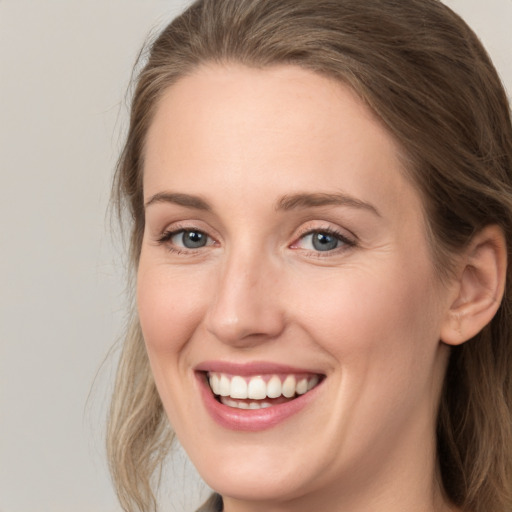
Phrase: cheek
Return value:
(378, 321)
(170, 307)
(380, 333)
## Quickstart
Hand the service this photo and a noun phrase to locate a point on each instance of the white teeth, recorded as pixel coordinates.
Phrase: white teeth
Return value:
(312, 382)
(255, 388)
(274, 388)
(238, 388)
(227, 401)
(245, 405)
(214, 383)
(302, 386)
(224, 386)
(289, 386)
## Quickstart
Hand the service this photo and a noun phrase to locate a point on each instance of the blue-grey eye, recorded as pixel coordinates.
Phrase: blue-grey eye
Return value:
(322, 241)
(190, 239)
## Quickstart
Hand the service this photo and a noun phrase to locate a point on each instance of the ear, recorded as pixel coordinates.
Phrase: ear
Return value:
(479, 287)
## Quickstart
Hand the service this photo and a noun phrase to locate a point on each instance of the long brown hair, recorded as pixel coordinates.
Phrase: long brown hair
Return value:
(423, 71)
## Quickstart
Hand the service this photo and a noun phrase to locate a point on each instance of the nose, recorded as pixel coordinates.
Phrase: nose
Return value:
(246, 309)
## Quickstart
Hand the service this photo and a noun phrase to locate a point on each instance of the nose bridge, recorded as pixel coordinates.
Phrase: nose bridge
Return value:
(246, 306)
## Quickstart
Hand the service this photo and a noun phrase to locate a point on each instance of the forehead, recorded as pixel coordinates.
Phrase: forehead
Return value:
(283, 129)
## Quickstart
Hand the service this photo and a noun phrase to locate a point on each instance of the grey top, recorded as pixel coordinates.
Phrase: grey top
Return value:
(212, 504)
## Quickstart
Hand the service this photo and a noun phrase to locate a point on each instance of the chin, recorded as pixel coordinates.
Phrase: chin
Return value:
(249, 482)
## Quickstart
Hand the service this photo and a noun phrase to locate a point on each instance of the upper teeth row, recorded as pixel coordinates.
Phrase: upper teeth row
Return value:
(256, 387)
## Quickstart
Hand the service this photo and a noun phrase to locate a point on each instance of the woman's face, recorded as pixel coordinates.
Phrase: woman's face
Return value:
(285, 260)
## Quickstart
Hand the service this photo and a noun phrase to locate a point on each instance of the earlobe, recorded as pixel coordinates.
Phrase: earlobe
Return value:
(479, 288)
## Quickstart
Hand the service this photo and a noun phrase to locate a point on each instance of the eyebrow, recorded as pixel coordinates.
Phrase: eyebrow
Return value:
(286, 203)
(186, 200)
(305, 200)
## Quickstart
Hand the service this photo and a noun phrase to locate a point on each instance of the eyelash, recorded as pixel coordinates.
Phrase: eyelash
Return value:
(348, 243)
(167, 236)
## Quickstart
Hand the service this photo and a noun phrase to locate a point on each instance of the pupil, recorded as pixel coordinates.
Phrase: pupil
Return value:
(193, 239)
(324, 242)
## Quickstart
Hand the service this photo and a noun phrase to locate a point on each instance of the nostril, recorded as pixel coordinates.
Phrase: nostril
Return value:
(243, 333)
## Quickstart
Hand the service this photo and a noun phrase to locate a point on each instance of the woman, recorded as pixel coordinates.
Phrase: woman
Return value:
(322, 216)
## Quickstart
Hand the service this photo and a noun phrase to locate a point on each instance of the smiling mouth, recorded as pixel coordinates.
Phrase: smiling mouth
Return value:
(260, 391)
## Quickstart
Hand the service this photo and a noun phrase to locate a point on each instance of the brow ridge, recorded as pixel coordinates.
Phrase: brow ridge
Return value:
(286, 203)
(187, 200)
(311, 200)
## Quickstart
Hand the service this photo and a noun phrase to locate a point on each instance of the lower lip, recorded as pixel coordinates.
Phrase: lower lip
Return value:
(251, 420)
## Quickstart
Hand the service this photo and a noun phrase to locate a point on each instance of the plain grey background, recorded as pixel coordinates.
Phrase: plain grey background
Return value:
(64, 69)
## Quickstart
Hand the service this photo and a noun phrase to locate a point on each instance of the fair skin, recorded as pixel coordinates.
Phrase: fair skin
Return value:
(280, 230)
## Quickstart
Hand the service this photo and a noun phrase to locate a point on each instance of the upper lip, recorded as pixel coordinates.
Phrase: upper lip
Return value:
(251, 368)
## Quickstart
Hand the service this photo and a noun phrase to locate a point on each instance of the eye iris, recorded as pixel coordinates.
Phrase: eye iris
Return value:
(193, 239)
(324, 241)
